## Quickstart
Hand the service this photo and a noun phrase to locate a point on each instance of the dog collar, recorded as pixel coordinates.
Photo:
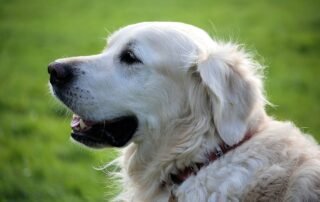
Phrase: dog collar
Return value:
(182, 175)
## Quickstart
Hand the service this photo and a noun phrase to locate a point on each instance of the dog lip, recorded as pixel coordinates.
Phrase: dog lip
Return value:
(116, 132)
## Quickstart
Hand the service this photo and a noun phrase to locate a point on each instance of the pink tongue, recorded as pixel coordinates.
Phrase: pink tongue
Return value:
(75, 121)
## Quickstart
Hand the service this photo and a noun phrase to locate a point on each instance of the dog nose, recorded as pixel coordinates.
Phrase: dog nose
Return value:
(60, 73)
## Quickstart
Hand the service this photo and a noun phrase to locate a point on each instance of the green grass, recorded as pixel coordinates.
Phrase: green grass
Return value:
(37, 160)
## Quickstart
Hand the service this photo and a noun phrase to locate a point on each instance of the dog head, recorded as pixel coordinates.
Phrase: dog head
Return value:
(151, 74)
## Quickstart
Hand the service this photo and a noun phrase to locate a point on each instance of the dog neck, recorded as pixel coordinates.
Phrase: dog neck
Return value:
(219, 151)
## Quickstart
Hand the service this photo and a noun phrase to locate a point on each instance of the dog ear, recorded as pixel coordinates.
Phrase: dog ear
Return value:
(234, 88)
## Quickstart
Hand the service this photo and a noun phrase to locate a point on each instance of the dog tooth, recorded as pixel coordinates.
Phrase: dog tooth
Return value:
(82, 124)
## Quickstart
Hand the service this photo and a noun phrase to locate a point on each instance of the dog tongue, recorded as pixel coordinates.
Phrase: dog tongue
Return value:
(80, 125)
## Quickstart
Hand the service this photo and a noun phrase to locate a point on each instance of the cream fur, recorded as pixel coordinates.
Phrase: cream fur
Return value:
(190, 94)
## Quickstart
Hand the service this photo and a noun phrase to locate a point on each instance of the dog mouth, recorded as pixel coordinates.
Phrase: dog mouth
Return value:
(116, 132)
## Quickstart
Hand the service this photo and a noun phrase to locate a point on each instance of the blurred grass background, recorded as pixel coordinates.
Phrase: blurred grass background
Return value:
(37, 160)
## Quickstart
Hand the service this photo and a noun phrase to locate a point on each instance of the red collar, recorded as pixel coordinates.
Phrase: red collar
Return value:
(182, 175)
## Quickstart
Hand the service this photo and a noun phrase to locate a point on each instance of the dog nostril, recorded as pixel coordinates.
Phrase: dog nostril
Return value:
(60, 73)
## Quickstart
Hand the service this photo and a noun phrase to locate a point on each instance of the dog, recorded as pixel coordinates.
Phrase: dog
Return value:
(188, 114)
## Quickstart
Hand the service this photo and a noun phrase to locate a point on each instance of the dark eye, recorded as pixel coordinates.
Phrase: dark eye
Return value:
(129, 57)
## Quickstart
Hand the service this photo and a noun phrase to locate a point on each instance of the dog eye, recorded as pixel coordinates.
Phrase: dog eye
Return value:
(129, 57)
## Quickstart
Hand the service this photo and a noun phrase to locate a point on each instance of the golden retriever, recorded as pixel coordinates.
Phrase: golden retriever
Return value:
(189, 114)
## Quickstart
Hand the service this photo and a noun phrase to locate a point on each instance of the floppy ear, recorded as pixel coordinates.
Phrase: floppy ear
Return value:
(234, 89)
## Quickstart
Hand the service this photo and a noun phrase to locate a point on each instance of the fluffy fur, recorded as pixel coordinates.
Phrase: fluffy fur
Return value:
(190, 94)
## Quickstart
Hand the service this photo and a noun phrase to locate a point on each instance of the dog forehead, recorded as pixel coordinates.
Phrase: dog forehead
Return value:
(156, 33)
(162, 43)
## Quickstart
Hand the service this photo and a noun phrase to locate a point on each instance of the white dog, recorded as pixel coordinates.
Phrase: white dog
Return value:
(189, 112)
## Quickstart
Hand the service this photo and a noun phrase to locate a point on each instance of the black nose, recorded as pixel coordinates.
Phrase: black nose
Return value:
(60, 73)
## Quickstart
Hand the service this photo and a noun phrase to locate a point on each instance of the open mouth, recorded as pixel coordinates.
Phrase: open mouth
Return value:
(116, 132)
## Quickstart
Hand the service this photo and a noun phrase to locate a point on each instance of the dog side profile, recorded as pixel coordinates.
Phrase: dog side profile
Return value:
(188, 113)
